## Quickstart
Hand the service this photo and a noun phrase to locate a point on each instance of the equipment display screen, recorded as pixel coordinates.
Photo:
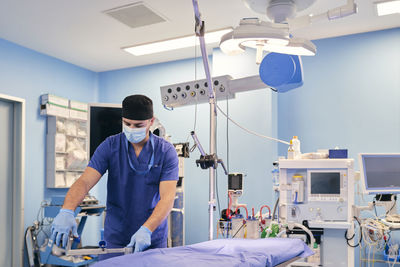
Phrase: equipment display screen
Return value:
(235, 182)
(325, 183)
(382, 172)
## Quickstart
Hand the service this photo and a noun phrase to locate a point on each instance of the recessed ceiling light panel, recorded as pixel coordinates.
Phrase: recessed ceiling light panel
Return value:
(387, 7)
(174, 44)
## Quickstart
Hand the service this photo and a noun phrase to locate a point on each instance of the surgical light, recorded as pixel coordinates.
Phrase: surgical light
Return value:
(173, 44)
(264, 36)
(387, 7)
(252, 33)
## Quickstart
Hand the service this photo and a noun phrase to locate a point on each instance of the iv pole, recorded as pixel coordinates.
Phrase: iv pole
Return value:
(199, 29)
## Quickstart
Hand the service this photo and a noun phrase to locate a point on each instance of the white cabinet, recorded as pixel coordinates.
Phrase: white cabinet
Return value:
(66, 150)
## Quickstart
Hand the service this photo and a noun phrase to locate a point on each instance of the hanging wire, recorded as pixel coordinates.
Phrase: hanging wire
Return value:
(195, 78)
(227, 134)
(250, 131)
(195, 106)
(216, 171)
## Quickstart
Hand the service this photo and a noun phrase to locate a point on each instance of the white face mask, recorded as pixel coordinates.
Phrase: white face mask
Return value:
(134, 135)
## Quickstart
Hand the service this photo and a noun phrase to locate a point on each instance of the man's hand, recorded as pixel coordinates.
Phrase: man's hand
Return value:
(141, 239)
(63, 224)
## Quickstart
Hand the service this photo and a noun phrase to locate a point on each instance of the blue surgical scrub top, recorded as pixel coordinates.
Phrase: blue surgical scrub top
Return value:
(132, 195)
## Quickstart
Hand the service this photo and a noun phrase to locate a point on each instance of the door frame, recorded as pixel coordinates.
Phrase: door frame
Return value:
(18, 178)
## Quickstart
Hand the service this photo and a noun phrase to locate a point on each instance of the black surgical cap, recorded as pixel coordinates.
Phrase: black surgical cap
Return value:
(137, 107)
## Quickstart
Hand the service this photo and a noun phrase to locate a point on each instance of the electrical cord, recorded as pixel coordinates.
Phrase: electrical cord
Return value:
(250, 131)
(393, 252)
(353, 236)
(390, 237)
(216, 190)
(394, 204)
(195, 106)
(227, 134)
(227, 139)
(373, 202)
(41, 220)
(373, 256)
(195, 78)
(373, 232)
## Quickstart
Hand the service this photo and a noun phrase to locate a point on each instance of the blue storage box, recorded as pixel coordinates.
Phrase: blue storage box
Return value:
(386, 255)
(338, 153)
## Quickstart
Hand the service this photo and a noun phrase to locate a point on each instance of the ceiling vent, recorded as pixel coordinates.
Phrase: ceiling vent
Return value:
(135, 15)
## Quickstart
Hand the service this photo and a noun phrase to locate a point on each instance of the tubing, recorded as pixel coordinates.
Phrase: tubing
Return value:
(242, 206)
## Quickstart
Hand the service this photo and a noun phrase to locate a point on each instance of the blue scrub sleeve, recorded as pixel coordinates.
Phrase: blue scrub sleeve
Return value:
(100, 158)
(170, 169)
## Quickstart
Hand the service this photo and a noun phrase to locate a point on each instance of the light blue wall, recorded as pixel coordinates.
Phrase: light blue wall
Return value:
(27, 74)
(250, 155)
(350, 97)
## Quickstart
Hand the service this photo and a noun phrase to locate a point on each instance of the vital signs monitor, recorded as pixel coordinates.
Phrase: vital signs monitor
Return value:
(380, 173)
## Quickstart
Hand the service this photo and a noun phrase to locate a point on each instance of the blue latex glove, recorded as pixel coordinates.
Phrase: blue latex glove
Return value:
(141, 239)
(63, 224)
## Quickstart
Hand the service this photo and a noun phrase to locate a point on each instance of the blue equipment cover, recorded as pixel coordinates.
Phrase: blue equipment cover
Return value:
(220, 252)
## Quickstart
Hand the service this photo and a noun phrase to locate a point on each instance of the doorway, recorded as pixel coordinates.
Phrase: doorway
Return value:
(12, 147)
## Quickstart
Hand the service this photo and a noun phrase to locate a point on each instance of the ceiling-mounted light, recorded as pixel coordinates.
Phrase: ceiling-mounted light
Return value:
(253, 32)
(387, 7)
(278, 10)
(176, 43)
(264, 36)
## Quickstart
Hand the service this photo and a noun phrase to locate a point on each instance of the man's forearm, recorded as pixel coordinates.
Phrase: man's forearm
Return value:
(75, 195)
(160, 212)
(80, 188)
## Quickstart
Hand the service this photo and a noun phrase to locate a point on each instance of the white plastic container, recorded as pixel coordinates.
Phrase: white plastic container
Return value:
(252, 228)
(296, 147)
(238, 226)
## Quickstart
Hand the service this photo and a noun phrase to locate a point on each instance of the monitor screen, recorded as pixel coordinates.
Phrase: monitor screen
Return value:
(325, 183)
(235, 182)
(381, 172)
(104, 122)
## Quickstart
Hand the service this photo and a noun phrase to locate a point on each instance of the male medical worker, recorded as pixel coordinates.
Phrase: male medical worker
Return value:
(142, 176)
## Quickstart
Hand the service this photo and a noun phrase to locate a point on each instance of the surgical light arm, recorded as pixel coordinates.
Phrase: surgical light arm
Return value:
(199, 30)
(336, 13)
(197, 142)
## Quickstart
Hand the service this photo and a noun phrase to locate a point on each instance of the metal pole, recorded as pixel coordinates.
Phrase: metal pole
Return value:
(213, 114)
(212, 171)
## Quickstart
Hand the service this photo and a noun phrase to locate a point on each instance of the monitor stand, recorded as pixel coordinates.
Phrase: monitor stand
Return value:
(389, 202)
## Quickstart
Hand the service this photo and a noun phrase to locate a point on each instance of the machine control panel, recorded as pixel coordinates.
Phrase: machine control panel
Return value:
(192, 92)
(316, 190)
